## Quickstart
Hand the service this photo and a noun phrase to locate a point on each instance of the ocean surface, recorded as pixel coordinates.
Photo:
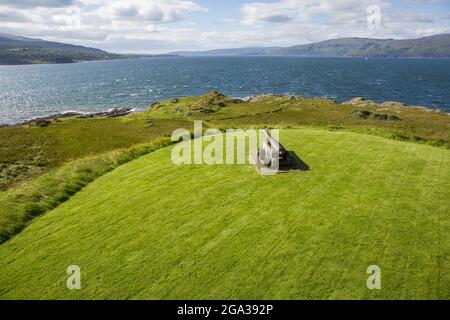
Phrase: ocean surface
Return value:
(38, 90)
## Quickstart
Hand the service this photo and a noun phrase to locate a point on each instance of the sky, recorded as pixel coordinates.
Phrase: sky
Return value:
(159, 26)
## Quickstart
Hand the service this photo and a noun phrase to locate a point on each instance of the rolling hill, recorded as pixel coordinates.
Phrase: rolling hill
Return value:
(249, 51)
(430, 47)
(22, 50)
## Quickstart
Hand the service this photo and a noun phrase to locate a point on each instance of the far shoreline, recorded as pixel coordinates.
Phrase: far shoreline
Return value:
(125, 57)
(220, 56)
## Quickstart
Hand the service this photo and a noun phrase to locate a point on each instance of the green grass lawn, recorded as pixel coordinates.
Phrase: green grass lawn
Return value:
(152, 230)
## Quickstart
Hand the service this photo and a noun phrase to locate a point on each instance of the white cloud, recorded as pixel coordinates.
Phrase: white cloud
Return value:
(303, 11)
(156, 11)
(285, 22)
(164, 25)
(38, 3)
(93, 20)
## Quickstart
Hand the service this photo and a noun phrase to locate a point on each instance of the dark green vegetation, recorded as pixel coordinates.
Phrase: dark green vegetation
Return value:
(44, 56)
(152, 230)
(364, 114)
(165, 231)
(428, 47)
(21, 50)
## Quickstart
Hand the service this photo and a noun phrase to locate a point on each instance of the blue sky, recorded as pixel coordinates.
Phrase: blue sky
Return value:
(155, 26)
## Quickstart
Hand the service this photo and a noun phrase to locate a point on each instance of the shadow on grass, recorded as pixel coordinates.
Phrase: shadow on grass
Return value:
(297, 164)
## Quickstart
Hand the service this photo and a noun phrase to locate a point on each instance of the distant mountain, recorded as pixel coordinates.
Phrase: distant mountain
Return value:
(435, 46)
(429, 47)
(21, 50)
(249, 51)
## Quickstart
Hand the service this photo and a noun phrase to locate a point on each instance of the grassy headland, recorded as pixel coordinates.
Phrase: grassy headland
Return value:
(152, 230)
(29, 151)
(363, 191)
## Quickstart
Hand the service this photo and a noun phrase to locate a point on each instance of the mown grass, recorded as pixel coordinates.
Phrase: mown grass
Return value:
(153, 230)
(21, 205)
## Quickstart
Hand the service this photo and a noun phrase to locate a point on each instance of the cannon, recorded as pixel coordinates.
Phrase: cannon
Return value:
(273, 154)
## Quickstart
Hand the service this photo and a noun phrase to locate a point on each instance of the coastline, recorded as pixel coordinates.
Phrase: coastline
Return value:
(121, 112)
(46, 120)
(119, 57)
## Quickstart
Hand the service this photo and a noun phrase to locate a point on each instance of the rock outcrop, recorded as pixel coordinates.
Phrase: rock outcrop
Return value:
(262, 97)
(364, 114)
(46, 121)
(393, 104)
(113, 113)
(360, 102)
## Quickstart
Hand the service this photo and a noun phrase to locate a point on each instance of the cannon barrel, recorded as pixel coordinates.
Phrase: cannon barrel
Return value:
(267, 154)
(274, 144)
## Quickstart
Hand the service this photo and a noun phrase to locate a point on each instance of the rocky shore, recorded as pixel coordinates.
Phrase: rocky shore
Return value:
(388, 105)
(392, 106)
(358, 101)
(46, 121)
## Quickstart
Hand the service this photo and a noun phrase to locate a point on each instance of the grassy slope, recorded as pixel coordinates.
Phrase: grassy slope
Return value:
(152, 230)
(27, 152)
(19, 206)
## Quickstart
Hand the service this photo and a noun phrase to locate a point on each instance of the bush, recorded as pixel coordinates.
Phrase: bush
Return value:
(362, 114)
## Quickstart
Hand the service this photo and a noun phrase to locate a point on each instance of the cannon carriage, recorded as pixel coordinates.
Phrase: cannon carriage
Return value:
(273, 154)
